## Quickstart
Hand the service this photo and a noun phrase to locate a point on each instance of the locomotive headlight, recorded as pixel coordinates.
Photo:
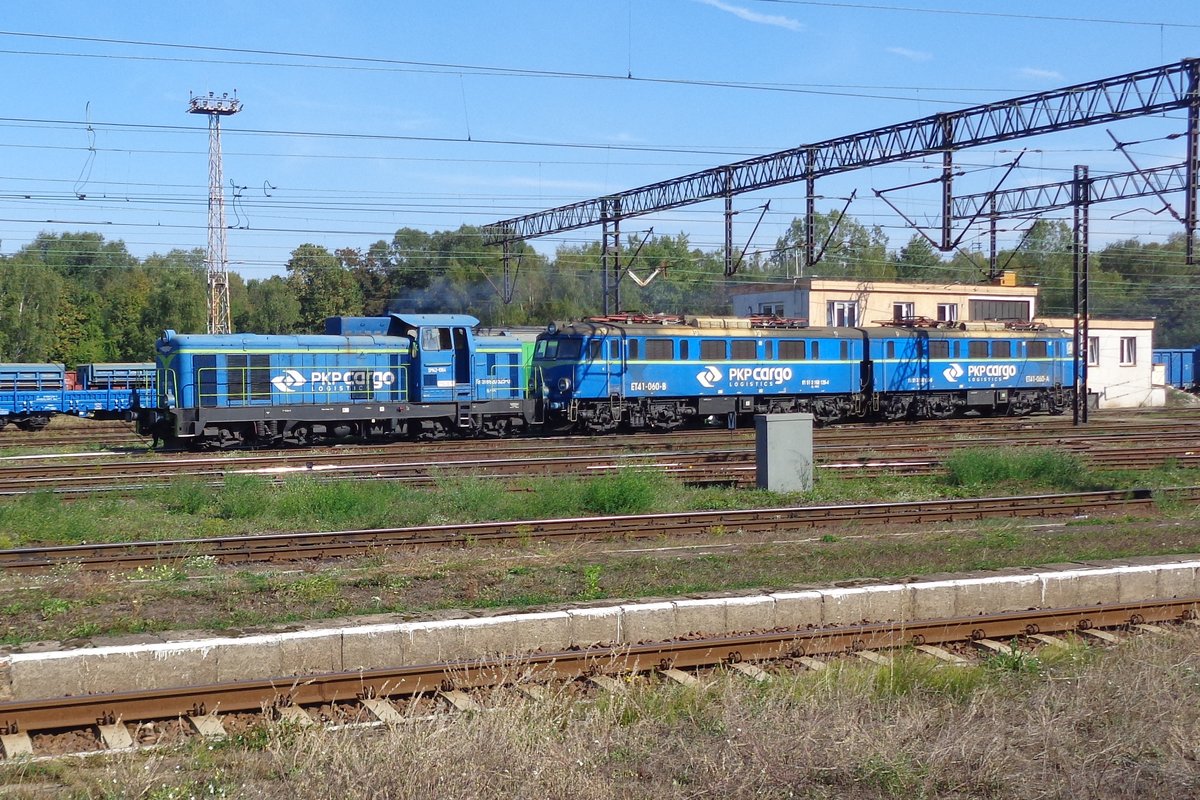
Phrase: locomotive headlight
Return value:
(564, 385)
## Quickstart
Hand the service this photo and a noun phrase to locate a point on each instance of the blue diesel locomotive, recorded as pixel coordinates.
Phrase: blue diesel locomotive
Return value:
(402, 375)
(595, 376)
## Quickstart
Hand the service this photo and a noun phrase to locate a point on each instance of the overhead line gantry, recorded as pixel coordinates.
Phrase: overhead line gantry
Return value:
(1142, 93)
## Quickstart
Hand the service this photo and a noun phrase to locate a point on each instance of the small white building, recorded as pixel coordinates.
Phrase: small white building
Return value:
(1120, 372)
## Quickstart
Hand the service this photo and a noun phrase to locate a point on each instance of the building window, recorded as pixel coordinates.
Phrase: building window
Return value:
(771, 309)
(1093, 351)
(902, 311)
(843, 313)
(1128, 351)
(947, 312)
(999, 309)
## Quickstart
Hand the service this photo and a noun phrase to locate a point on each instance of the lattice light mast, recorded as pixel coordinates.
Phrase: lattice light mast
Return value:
(216, 260)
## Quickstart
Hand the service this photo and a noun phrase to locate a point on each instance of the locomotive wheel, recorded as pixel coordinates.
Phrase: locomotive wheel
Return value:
(299, 434)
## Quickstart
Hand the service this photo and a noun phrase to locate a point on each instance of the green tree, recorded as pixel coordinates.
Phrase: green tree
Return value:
(178, 298)
(323, 287)
(271, 307)
(30, 295)
(851, 249)
(918, 261)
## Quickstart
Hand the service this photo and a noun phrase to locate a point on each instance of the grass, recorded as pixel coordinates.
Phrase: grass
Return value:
(198, 593)
(1040, 467)
(248, 504)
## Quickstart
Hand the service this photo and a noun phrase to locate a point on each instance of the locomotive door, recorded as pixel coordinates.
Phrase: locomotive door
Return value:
(606, 356)
(461, 357)
(437, 372)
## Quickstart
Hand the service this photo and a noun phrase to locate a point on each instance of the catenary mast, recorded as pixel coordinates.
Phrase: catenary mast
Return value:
(216, 260)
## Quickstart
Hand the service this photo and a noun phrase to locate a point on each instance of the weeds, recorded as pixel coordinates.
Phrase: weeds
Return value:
(626, 491)
(1037, 467)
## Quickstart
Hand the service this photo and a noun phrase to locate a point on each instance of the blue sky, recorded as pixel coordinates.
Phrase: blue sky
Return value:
(360, 118)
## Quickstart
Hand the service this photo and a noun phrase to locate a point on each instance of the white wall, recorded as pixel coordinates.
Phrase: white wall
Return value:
(1123, 385)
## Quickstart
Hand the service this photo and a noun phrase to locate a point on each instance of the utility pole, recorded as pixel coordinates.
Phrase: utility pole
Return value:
(216, 260)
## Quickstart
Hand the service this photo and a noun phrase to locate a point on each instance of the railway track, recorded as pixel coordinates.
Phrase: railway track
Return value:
(693, 462)
(112, 721)
(1103, 424)
(283, 547)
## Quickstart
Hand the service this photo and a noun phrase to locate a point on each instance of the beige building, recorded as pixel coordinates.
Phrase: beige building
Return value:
(836, 302)
(1120, 372)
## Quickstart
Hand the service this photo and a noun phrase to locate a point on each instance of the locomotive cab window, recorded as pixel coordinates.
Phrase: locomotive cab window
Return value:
(435, 339)
(595, 349)
(633, 349)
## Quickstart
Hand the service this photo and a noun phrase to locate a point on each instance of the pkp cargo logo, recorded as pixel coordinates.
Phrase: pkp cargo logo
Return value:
(709, 377)
(288, 381)
(953, 372)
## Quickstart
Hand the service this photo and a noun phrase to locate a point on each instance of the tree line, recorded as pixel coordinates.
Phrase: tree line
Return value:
(77, 298)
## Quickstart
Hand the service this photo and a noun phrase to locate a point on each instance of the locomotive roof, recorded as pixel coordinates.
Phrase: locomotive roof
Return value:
(706, 328)
(437, 320)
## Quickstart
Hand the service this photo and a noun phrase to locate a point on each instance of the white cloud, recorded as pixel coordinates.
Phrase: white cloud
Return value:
(911, 55)
(753, 16)
(1041, 74)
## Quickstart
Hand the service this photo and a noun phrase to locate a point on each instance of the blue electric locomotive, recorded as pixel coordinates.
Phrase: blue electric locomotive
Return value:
(403, 375)
(597, 375)
(939, 373)
(659, 374)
